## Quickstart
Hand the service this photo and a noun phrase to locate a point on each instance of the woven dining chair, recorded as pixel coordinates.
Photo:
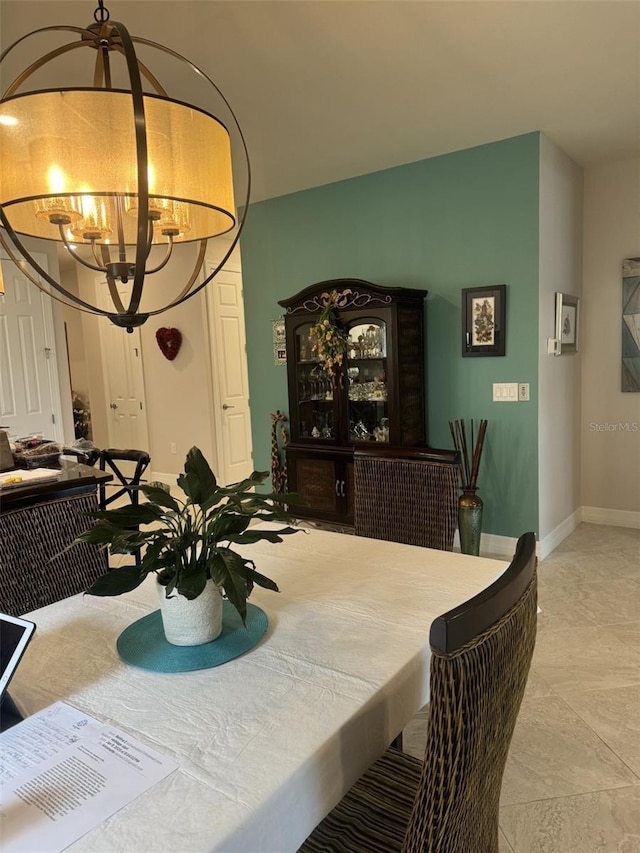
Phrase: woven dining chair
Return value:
(407, 495)
(30, 578)
(481, 654)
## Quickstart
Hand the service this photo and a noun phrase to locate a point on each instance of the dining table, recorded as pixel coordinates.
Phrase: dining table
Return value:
(267, 743)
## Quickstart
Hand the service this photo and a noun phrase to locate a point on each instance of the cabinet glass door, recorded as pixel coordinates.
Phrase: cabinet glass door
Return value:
(314, 390)
(366, 370)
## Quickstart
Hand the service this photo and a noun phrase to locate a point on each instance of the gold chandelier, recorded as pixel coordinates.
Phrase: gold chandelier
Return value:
(115, 174)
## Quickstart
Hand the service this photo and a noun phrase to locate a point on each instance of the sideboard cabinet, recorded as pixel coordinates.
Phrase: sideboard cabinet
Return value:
(376, 395)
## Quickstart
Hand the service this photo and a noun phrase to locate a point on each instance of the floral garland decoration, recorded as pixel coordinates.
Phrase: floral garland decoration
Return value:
(330, 342)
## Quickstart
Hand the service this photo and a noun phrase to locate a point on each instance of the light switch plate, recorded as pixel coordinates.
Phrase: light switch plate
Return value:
(505, 392)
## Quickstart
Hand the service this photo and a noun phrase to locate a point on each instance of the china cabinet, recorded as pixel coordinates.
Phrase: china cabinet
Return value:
(377, 393)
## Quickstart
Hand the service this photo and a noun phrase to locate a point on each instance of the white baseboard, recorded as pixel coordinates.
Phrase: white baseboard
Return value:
(613, 517)
(559, 534)
(160, 477)
(492, 545)
(498, 546)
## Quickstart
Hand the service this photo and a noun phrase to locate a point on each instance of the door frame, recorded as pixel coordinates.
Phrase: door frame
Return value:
(213, 367)
(104, 355)
(56, 359)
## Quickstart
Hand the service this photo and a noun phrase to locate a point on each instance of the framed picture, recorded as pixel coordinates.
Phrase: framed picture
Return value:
(279, 345)
(483, 320)
(567, 319)
(631, 325)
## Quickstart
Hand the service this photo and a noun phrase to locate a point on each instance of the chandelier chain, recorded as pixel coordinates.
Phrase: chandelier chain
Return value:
(101, 14)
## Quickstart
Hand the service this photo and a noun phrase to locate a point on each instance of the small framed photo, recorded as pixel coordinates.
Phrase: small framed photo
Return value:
(567, 320)
(279, 341)
(277, 326)
(484, 320)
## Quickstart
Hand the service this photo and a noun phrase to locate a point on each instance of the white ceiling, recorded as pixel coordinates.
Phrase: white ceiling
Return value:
(328, 89)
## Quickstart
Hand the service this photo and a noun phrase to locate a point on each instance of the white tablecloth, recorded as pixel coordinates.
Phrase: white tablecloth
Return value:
(269, 742)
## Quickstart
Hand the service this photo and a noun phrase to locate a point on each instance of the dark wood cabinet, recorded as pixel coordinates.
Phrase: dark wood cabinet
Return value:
(323, 478)
(376, 396)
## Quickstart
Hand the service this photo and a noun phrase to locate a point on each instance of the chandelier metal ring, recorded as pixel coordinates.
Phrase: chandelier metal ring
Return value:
(100, 217)
(100, 15)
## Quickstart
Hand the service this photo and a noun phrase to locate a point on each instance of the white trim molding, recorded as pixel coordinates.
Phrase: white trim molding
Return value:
(613, 517)
(492, 545)
(559, 534)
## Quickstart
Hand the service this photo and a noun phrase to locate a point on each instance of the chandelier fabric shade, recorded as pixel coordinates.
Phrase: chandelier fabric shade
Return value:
(118, 172)
(54, 164)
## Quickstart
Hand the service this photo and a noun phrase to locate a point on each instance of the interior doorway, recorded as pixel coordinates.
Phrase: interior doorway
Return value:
(230, 386)
(30, 400)
(123, 374)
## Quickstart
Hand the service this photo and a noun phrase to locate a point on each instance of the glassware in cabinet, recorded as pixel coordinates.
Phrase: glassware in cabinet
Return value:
(313, 413)
(367, 393)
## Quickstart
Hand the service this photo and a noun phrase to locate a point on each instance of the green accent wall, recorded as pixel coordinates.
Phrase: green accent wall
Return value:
(467, 219)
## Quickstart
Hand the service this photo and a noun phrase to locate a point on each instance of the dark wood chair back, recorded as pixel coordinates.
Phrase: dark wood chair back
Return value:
(112, 460)
(407, 495)
(109, 460)
(481, 654)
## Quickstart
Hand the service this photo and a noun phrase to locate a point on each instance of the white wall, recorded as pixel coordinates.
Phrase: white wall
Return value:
(178, 391)
(559, 381)
(611, 455)
(73, 321)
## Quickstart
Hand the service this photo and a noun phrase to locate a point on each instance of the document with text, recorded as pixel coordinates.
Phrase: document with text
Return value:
(63, 772)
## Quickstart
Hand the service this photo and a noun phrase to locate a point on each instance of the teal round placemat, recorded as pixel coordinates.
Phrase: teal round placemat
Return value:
(143, 644)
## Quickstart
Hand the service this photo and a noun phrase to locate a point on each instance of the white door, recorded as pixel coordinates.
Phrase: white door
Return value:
(225, 310)
(29, 388)
(124, 383)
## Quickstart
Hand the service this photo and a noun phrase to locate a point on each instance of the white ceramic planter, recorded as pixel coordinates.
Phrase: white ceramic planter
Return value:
(191, 623)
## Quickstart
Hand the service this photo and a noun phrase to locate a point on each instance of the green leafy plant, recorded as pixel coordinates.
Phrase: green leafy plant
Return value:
(186, 542)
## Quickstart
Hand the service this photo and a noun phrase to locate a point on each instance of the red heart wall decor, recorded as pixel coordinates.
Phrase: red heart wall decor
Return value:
(169, 341)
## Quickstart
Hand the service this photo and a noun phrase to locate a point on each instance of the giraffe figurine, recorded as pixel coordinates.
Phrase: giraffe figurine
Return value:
(278, 467)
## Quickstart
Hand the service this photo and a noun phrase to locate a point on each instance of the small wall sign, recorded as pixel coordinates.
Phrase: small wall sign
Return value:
(279, 342)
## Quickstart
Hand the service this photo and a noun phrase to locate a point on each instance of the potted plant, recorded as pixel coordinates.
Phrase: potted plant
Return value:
(188, 543)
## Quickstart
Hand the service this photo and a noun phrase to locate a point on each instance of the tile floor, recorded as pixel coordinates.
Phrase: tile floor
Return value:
(572, 781)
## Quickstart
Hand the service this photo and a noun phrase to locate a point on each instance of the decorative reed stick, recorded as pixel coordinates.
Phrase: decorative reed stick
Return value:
(468, 467)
